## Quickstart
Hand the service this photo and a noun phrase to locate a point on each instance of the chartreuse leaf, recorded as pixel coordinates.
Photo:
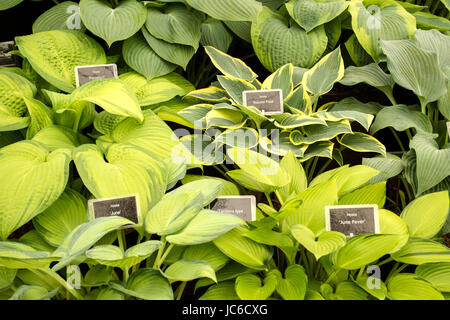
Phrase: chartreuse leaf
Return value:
(249, 286)
(32, 178)
(146, 284)
(63, 16)
(215, 34)
(378, 292)
(35, 240)
(221, 291)
(364, 249)
(41, 116)
(401, 117)
(7, 277)
(276, 42)
(295, 170)
(351, 178)
(9, 4)
(326, 243)
(294, 284)
(426, 215)
(187, 270)
(57, 137)
(243, 250)
(232, 10)
(206, 226)
(33, 292)
(419, 251)
(107, 293)
(16, 255)
(229, 66)
(113, 24)
(348, 290)
(207, 252)
(373, 193)
(55, 54)
(362, 142)
(408, 286)
(438, 274)
(375, 20)
(228, 188)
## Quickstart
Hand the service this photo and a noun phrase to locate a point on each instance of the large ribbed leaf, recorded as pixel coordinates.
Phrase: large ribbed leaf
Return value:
(113, 24)
(310, 13)
(207, 252)
(438, 274)
(209, 189)
(215, 34)
(407, 286)
(187, 270)
(373, 193)
(249, 286)
(389, 166)
(277, 43)
(435, 41)
(241, 29)
(391, 223)
(233, 10)
(63, 16)
(56, 137)
(375, 20)
(229, 66)
(401, 117)
(419, 251)
(55, 54)
(41, 116)
(6, 4)
(280, 79)
(16, 255)
(33, 292)
(32, 178)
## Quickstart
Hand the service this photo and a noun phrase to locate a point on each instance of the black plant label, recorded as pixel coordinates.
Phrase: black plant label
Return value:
(352, 220)
(242, 206)
(126, 207)
(7, 59)
(84, 74)
(267, 101)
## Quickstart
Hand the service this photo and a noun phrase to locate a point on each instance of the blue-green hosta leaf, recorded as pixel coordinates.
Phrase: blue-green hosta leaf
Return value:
(7, 4)
(326, 243)
(294, 284)
(232, 10)
(206, 226)
(362, 142)
(55, 54)
(187, 270)
(63, 16)
(444, 104)
(310, 13)
(32, 178)
(241, 29)
(113, 24)
(207, 252)
(373, 193)
(438, 274)
(356, 52)
(426, 20)
(41, 116)
(408, 286)
(229, 66)
(215, 34)
(401, 117)
(435, 41)
(375, 20)
(16, 255)
(419, 251)
(33, 292)
(426, 215)
(277, 43)
(221, 291)
(249, 286)
(146, 284)
(280, 79)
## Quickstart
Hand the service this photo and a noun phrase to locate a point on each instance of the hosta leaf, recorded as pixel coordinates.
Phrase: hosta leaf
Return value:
(373, 193)
(16, 255)
(63, 16)
(187, 270)
(356, 52)
(229, 66)
(41, 116)
(215, 34)
(294, 284)
(290, 121)
(363, 118)
(113, 24)
(26, 292)
(363, 282)
(426, 20)
(55, 54)
(401, 118)
(438, 274)
(295, 170)
(7, 4)
(143, 59)
(249, 286)
(435, 41)
(233, 10)
(228, 188)
(281, 79)
(419, 251)
(235, 87)
(241, 29)
(348, 290)
(407, 286)
(32, 178)
(310, 13)
(317, 132)
(277, 43)
(362, 142)
(221, 291)
(207, 252)
(57, 137)
(210, 94)
(109, 294)
(7, 277)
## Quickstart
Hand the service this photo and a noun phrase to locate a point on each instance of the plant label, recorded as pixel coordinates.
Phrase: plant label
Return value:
(352, 220)
(268, 101)
(448, 128)
(242, 206)
(84, 74)
(7, 59)
(126, 207)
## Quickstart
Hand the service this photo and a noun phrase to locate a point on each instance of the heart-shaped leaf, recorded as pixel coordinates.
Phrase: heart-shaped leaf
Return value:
(294, 284)
(249, 287)
(63, 16)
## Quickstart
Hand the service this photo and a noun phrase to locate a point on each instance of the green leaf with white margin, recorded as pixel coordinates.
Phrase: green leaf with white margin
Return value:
(7, 277)
(232, 10)
(32, 178)
(64, 215)
(221, 291)
(33, 292)
(7, 4)
(426, 215)
(85, 236)
(295, 170)
(375, 20)
(310, 13)
(215, 34)
(362, 142)
(415, 69)
(187, 270)
(41, 116)
(438, 274)
(113, 24)
(207, 252)
(249, 286)
(371, 194)
(229, 66)
(243, 250)
(143, 59)
(16, 255)
(419, 251)
(281, 79)
(364, 249)
(432, 163)
(147, 284)
(63, 16)
(55, 54)
(175, 24)
(408, 286)
(277, 43)
(294, 284)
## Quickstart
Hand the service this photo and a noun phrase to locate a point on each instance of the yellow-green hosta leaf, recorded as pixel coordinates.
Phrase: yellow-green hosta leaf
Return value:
(107, 293)
(295, 170)
(63, 16)
(419, 251)
(378, 292)
(64, 215)
(187, 270)
(294, 284)
(7, 4)
(7, 277)
(105, 122)
(33, 292)
(277, 43)
(55, 54)
(113, 24)
(57, 137)
(32, 178)
(10, 122)
(221, 291)
(229, 10)
(16, 255)
(229, 66)
(351, 178)
(225, 118)
(228, 188)
(362, 142)
(371, 194)
(215, 34)
(326, 243)
(249, 286)
(426, 215)
(310, 13)
(438, 274)
(290, 121)
(375, 20)
(408, 286)
(207, 252)
(348, 290)
(281, 79)
(41, 116)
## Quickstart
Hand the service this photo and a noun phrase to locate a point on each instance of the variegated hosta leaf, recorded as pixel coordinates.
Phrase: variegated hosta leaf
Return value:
(419, 251)
(249, 286)
(426, 20)
(376, 20)
(401, 117)
(203, 149)
(235, 87)
(316, 132)
(277, 43)
(241, 138)
(407, 286)
(16, 255)
(113, 24)
(232, 10)
(207, 252)
(55, 54)
(210, 94)
(363, 118)
(209, 189)
(356, 52)
(362, 142)
(438, 274)
(215, 34)
(290, 121)
(229, 66)
(187, 270)
(325, 244)
(310, 13)
(281, 79)
(63, 16)
(32, 178)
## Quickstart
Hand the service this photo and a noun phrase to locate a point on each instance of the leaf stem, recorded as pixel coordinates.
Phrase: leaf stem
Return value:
(268, 199)
(121, 239)
(166, 253)
(180, 289)
(156, 265)
(280, 199)
(400, 144)
(61, 281)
